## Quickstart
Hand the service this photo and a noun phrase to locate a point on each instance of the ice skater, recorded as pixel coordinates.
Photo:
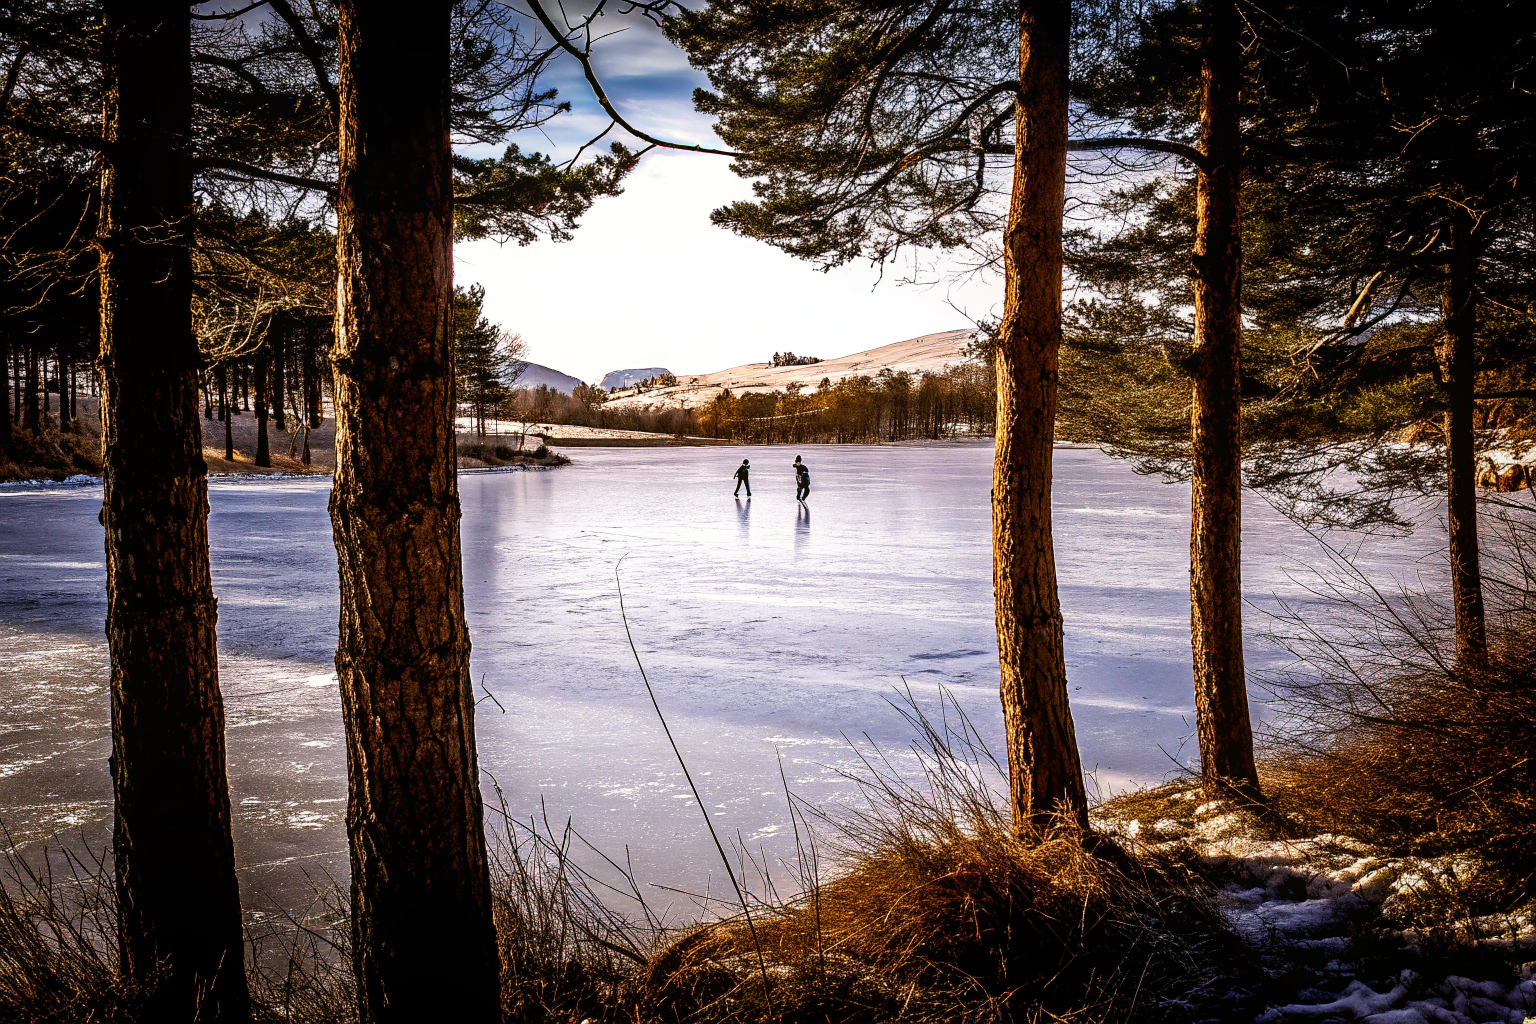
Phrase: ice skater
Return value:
(741, 478)
(802, 480)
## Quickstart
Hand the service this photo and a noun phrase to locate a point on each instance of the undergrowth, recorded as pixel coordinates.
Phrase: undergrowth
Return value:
(50, 454)
(1383, 736)
(923, 906)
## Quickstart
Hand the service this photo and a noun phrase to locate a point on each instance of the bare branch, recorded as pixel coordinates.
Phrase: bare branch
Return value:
(311, 50)
(584, 58)
(229, 15)
(1178, 149)
(261, 173)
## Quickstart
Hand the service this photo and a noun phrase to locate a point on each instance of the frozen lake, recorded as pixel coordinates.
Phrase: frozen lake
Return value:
(768, 630)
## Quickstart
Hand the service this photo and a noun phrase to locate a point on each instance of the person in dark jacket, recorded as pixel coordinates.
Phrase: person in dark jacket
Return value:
(741, 478)
(802, 480)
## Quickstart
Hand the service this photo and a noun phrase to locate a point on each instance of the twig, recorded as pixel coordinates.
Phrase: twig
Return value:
(746, 911)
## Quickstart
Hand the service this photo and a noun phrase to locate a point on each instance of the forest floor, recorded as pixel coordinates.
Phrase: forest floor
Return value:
(1331, 921)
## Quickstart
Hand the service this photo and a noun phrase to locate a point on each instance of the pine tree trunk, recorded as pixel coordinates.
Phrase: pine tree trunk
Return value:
(312, 387)
(424, 945)
(178, 903)
(279, 389)
(222, 376)
(1045, 772)
(74, 391)
(263, 454)
(1215, 543)
(64, 416)
(33, 415)
(47, 405)
(5, 392)
(1458, 362)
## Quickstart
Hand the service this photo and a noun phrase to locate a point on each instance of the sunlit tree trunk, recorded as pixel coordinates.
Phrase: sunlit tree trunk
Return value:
(1215, 544)
(178, 905)
(1045, 773)
(1458, 365)
(424, 945)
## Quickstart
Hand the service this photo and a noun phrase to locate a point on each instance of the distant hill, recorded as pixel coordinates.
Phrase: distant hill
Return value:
(629, 378)
(537, 374)
(931, 352)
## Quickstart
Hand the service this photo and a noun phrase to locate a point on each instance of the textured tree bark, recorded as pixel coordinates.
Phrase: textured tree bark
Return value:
(178, 904)
(424, 944)
(1215, 542)
(1458, 365)
(1045, 772)
(262, 370)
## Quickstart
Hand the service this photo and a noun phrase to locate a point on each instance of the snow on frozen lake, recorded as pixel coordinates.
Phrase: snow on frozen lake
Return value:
(768, 631)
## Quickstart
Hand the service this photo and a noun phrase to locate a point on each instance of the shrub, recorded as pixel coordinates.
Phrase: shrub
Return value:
(1383, 737)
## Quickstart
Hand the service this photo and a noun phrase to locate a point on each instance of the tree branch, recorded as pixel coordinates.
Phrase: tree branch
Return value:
(1178, 149)
(585, 60)
(13, 76)
(311, 49)
(228, 15)
(62, 136)
(1518, 393)
(204, 163)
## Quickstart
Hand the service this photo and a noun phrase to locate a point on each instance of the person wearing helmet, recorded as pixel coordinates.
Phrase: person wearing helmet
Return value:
(741, 478)
(802, 480)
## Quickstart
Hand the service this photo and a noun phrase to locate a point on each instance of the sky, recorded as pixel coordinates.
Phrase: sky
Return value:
(648, 281)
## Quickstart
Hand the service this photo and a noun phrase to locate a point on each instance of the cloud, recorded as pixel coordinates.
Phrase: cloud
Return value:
(648, 281)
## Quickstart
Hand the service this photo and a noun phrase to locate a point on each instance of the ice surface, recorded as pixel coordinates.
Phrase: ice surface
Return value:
(769, 630)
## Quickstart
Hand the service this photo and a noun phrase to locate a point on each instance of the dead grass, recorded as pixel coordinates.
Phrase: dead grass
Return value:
(923, 906)
(51, 454)
(939, 911)
(1384, 738)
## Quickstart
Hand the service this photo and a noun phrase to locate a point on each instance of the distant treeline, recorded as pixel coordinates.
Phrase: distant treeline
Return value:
(889, 406)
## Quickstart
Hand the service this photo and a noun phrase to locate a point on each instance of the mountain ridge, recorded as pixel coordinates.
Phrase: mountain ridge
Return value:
(928, 353)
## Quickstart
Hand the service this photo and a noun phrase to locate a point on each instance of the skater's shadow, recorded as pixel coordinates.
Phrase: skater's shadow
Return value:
(802, 525)
(744, 516)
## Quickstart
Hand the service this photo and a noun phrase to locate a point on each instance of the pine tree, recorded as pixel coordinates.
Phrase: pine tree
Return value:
(424, 945)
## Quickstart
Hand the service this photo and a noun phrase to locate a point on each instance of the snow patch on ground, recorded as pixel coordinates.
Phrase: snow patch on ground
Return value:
(77, 480)
(1299, 904)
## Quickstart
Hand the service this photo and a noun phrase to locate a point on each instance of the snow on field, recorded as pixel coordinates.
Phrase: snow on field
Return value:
(930, 353)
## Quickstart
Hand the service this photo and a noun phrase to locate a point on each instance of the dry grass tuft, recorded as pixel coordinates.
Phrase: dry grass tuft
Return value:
(51, 454)
(58, 931)
(1384, 738)
(941, 912)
